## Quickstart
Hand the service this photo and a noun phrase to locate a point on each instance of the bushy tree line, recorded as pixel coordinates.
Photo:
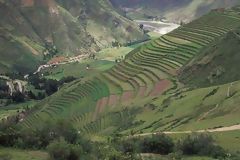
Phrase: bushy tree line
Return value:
(38, 138)
(202, 145)
(49, 51)
(49, 85)
(62, 141)
(195, 144)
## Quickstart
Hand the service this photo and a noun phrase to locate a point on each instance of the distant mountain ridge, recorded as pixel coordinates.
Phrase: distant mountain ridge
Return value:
(173, 10)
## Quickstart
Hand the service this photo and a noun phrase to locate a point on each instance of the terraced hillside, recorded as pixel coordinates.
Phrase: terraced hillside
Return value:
(99, 104)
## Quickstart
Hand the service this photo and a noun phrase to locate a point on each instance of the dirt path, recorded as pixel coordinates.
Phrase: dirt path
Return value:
(223, 129)
(207, 113)
(69, 60)
(229, 90)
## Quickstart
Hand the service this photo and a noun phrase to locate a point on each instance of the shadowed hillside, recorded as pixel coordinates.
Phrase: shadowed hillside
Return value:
(29, 27)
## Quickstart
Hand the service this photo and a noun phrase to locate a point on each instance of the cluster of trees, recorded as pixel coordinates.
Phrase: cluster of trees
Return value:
(202, 144)
(195, 144)
(119, 59)
(45, 86)
(39, 138)
(50, 86)
(49, 51)
(130, 43)
(116, 44)
(62, 141)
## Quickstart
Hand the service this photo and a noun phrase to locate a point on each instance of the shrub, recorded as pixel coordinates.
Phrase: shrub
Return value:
(51, 86)
(28, 139)
(130, 146)
(160, 144)
(202, 144)
(61, 150)
(18, 97)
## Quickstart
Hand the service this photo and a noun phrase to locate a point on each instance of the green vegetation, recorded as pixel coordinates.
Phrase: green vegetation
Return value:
(77, 70)
(33, 34)
(17, 154)
(146, 72)
(140, 95)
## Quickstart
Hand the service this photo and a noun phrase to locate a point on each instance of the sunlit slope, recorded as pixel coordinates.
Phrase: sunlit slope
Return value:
(219, 63)
(147, 72)
(191, 110)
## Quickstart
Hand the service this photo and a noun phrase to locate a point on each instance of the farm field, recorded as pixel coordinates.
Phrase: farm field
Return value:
(148, 71)
(77, 70)
(178, 84)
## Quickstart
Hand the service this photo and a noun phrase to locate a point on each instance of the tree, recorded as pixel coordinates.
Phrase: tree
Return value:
(160, 144)
(51, 86)
(61, 150)
(18, 97)
(200, 144)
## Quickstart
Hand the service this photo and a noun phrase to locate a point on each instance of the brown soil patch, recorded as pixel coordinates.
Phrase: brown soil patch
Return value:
(101, 104)
(104, 102)
(126, 96)
(58, 59)
(27, 3)
(141, 92)
(160, 87)
(173, 72)
(48, 3)
(96, 110)
(113, 100)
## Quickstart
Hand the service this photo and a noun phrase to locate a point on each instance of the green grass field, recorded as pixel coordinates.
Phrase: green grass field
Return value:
(13, 108)
(78, 70)
(16, 154)
(112, 54)
(191, 110)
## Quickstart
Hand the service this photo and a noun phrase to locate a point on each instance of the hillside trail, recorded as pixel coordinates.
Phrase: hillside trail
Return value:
(229, 89)
(208, 112)
(223, 129)
(69, 60)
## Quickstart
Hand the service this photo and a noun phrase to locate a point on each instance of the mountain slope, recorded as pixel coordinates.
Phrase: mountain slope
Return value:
(172, 10)
(74, 27)
(107, 101)
(217, 68)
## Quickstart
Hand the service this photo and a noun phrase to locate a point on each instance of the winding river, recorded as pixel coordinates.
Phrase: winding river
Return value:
(158, 26)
